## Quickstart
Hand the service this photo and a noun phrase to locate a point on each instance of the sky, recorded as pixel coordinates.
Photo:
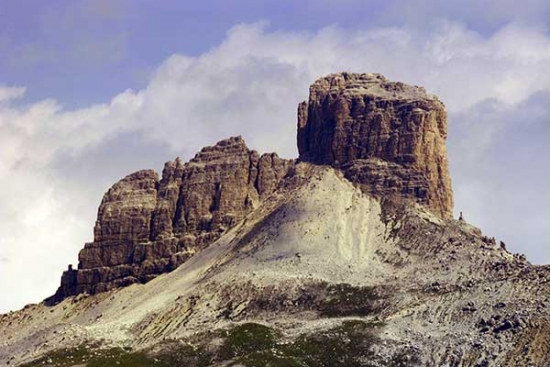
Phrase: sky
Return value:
(92, 90)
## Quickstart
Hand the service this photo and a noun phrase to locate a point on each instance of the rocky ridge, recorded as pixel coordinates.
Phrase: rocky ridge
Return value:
(146, 226)
(346, 257)
(331, 276)
(387, 137)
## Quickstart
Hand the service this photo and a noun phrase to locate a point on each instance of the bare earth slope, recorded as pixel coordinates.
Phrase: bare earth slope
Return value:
(347, 257)
(442, 292)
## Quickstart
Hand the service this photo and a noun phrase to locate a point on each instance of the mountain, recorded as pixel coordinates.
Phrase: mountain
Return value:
(146, 226)
(347, 256)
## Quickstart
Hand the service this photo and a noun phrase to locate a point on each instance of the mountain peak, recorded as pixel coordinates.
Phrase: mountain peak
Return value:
(232, 146)
(351, 121)
(146, 227)
(347, 256)
(386, 137)
(371, 84)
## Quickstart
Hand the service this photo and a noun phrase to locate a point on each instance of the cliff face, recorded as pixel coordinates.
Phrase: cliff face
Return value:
(389, 137)
(146, 227)
(320, 273)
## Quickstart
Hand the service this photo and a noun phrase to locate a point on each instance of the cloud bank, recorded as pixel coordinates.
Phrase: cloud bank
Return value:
(56, 163)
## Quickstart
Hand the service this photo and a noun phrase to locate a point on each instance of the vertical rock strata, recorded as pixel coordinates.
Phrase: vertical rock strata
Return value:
(388, 137)
(146, 227)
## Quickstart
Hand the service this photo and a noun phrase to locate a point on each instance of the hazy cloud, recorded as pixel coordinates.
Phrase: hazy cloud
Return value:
(499, 175)
(56, 163)
(10, 93)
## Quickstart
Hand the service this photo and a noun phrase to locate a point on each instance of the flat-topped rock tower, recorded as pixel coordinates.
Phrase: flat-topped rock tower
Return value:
(346, 256)
(389, 137)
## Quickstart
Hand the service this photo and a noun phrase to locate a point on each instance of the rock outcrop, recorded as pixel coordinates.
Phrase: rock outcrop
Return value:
(318, 274)
(146, 227)
(388, 137)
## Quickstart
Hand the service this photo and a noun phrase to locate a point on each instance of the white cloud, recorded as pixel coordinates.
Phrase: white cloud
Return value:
(10, 93)
(251, 84)
(500, 152)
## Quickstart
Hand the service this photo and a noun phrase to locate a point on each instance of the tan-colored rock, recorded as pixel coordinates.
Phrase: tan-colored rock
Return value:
(357, 122)
(146, 227)
(316, 260)
(387, 137)
(125, 211)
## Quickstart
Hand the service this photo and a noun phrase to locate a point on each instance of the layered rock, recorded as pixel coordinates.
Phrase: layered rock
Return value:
(388, 137)
(312, 266)
(146, 227)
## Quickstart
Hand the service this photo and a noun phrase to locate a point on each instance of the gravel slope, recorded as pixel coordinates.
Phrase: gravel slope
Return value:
(439, 287)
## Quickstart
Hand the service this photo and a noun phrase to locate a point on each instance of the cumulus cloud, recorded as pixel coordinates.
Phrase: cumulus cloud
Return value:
(56, 163)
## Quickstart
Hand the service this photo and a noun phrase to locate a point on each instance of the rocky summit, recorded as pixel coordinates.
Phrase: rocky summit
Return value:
(347, 256)
(146, 226)
(389, 137)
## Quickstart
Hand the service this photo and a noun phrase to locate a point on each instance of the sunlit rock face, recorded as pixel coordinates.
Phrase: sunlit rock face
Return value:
(146, 226)
(389, 137)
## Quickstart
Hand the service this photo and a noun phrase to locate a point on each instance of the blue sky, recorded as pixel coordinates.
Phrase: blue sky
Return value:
(71, 45)
(93, 90)
(65, 49)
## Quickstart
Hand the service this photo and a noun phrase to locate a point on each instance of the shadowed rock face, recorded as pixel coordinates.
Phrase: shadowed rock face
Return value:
(389, 137)
(146, 227)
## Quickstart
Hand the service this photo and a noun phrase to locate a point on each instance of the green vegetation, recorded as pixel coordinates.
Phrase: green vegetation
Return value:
(92, 356)
(346, 345)
(119, 357)
(174, 353)
(350, 344)
(346, 300)
(247, 338)
(268, 358)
